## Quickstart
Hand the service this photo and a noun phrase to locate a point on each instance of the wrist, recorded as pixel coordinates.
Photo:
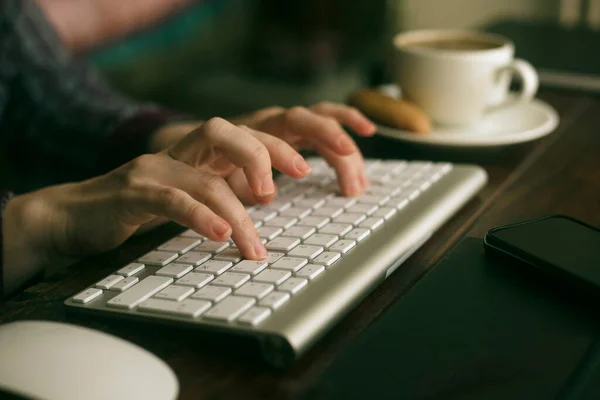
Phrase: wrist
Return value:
(24, 254)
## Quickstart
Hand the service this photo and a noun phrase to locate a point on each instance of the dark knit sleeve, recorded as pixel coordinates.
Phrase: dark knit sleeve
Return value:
(57, 109)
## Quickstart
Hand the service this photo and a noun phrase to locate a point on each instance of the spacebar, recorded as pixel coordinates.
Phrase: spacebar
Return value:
(140, 292)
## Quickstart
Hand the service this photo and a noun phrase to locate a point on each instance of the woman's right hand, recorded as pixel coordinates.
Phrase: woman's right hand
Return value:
(185, 183)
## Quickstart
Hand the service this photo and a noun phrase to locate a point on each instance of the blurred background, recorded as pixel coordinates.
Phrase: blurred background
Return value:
(227, 57)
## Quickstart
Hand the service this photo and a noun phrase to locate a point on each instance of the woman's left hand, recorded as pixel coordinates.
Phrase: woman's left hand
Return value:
(315, 128)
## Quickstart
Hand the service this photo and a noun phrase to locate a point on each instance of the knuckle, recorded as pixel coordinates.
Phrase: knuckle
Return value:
(212, 183)
(274, 109)
(194, 211)
(215, 126)
(167, 196)
(324, 105)
(143, 162)
(296, 112)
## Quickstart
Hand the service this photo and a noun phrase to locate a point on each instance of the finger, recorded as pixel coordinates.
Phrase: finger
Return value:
(350, 170)
(318, 130)
(283, 156)
(177, 205)
(348, 116)
(240, 186)
(236, 144)
(215, 193)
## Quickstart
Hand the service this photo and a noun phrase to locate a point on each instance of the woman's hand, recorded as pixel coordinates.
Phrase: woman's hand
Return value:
(184, 183)
(320, 128)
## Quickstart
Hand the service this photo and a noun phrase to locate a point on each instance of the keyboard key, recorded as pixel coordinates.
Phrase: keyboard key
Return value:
(249, 267)
(254, 289)
(231, 279)
(180, 244)
(322, 239)
(300, 232)
(315, 222)
(283, 243)
(87, 295)
(263, 215)
(230, 308)
(380, 200)
(279, 204)
(336, 229)
(292, 285)
(193, 257)
(145, 289)
(413, 193)
(311, 271)
(125, 284)
(131, 269)
(108, 282)
(327, 258)
(342, 246)
(232, 255)
(255, 316)
(212, 293)
(385, 213)
(372, 223)
(274, 300)
(310, 202)
(274, 256)
(350, 218)
(186, 308)
(274, 276)
(269, 232)
(306, 251)
(192, 234)
(358, 234)
(296, 212)
(400, 203)
(290, 263)
(174, 293)
(214, 267)
(344, 202)
(361, 208)
(195, 279)
(174, 270)
(212, 247)
(282, 222)
(330, 212)
(159, 258)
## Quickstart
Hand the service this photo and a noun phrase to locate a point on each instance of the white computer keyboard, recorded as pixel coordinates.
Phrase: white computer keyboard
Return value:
(308, 230)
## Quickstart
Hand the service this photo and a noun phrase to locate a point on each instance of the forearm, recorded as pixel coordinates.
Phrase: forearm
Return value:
(83, 25)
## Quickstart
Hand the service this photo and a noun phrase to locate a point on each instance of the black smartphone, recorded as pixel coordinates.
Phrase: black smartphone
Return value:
(558, 244)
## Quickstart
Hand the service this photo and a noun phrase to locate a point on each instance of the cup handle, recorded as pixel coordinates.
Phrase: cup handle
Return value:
(529, 81)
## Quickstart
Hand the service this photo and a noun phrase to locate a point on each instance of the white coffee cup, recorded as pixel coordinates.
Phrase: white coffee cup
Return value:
(457, 76)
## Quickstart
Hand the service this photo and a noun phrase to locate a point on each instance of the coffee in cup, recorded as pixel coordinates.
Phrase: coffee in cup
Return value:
(457, 76)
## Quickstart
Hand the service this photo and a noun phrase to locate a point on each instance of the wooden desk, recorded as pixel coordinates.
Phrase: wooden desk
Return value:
(557, 174)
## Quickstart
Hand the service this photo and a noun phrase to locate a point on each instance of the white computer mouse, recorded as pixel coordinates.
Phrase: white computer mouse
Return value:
(56, 361)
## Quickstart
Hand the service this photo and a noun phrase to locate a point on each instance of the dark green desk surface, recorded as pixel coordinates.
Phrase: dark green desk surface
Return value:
(557, 174)
(475, 327)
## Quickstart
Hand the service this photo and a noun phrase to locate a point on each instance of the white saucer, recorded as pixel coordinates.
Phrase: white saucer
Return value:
(520, 123)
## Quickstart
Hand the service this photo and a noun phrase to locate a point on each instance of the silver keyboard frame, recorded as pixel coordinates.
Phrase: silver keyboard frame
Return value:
(313, 311)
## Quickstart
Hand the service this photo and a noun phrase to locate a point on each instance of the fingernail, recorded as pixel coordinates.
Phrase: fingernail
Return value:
(345, 144)
(301, 165)
(267, 187)
(259, 250)
(221, 229)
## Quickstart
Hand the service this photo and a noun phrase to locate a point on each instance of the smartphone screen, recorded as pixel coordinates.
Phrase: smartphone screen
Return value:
(560, 243)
